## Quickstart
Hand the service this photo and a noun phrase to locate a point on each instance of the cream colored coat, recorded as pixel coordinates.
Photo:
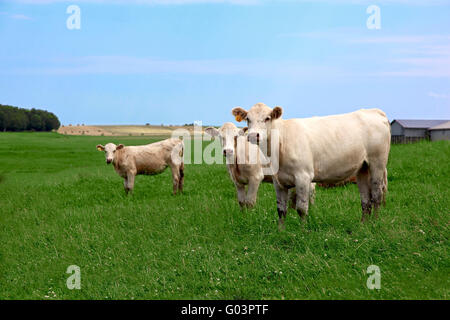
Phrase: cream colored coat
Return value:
(325, 149)
(147, 159)
(243, 172)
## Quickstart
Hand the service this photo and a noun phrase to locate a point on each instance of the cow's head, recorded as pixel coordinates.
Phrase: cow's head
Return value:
(110, 151)
(228, 134)
(259, 119)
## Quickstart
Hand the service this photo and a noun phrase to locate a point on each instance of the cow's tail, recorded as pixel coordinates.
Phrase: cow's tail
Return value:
(385, 187)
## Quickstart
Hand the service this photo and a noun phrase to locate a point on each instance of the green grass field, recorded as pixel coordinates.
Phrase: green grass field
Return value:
(61, 205)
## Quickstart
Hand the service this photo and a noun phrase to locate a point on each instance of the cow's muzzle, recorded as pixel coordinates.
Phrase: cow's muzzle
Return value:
(228, 152)
(253, 137)
(108, 161)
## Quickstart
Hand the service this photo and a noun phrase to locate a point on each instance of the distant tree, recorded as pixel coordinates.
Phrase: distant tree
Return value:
(35, 121)
(3, 119)
(50, 121)
(19, 119)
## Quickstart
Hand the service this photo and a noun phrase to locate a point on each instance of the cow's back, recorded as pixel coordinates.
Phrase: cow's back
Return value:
(153, 158)
(332, 148)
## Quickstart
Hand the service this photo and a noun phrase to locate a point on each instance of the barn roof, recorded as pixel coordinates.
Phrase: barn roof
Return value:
(419, 124)
(445, 125)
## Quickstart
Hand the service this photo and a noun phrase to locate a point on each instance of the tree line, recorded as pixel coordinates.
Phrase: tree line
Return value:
(20, 119)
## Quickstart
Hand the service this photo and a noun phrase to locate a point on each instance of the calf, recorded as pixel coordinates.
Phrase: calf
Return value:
(148, 159)
(242, 171)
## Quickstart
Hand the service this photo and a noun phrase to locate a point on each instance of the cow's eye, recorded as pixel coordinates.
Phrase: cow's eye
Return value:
(267, 119)
(114, 151)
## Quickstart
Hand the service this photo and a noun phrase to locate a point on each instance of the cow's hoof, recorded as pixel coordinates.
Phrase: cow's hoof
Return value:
(302, 214)
(249, 205)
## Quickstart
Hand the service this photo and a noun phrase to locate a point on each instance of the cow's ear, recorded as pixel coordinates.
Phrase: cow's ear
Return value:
(243, 131)
(120, 146)
(100, 147)
(276, 113)
(239, 113)
(213, 132)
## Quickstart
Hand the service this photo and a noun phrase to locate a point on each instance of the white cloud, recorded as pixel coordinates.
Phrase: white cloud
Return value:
(143, 2)
(119, 65)
(437, 67)
(409, 55)
(355, 36)
(432, 67)
(20, 17)
(16, 16)
(438, 95)
(243, 2)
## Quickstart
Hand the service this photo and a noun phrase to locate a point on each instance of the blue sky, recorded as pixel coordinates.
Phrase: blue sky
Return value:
(179, 61)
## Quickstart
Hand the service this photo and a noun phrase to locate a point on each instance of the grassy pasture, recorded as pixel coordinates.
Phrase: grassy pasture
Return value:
(61, 205)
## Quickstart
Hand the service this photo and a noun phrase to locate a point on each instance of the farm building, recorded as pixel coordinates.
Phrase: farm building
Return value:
(440, 132)
(414, 130)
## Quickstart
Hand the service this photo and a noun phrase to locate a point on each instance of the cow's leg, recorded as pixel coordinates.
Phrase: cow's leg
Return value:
(175, 177)
(377, 184)
(125, 184)
(181, 182)
(302, 188)
(292, 198)
(363, 180)
(130, 181)
(282, 199)
(240, 190)
(312, 193)
(252, 192)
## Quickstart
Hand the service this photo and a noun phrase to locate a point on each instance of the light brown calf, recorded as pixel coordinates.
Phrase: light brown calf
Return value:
(148, 159)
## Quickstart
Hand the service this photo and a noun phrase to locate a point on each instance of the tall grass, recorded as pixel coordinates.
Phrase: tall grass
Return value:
(61, 205)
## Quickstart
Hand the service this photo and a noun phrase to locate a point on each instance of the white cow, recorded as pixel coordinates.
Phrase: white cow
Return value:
(148, 159)
(324, 149)
(243, 171)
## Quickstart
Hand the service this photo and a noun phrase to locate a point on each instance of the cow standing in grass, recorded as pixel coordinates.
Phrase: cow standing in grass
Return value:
(243, 171)
(324, 149)
(148, 159)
